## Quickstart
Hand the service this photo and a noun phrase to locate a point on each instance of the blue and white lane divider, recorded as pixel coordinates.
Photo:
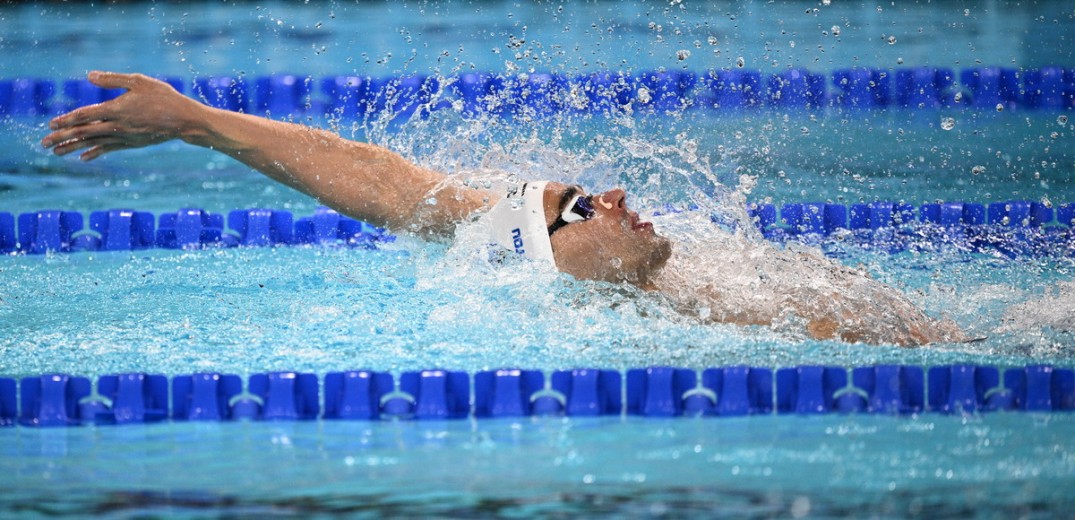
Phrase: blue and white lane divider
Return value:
(125, 230)
(1012, 228)
(987, 88)
(66, 400)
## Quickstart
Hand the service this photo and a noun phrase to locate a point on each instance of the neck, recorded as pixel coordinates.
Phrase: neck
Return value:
(648, 283)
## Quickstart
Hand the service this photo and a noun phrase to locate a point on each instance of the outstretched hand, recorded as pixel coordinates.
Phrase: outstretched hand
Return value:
(150, 112)
(361, 180)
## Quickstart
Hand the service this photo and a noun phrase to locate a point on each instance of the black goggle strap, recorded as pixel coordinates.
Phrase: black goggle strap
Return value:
(578, 210)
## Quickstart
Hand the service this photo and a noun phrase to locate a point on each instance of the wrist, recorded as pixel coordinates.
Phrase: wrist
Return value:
(194, 125)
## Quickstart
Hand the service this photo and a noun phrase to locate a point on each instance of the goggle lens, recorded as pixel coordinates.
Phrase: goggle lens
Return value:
(579, 209)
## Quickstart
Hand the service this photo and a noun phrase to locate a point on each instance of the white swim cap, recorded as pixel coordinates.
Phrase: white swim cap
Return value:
(518, 222)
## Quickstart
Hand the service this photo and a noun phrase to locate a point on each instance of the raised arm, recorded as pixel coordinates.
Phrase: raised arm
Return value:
(364, 181)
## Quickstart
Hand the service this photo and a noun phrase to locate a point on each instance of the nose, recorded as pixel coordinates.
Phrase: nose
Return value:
(612, 200)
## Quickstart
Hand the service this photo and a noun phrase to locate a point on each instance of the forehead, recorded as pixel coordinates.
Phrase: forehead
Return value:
(558, 188)
(557, 194)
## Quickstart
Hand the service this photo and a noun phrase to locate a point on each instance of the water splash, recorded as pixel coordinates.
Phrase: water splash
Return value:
(1054, 310)
(720, 273)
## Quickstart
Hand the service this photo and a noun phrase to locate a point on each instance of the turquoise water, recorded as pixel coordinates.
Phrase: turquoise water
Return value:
(411, 305)
(849, 157)
(1000, 465)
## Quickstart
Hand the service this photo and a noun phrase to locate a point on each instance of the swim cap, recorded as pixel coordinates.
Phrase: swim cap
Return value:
(518, 222)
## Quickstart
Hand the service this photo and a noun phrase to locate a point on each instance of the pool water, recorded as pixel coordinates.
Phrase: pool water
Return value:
(929, 466)
(409, 305)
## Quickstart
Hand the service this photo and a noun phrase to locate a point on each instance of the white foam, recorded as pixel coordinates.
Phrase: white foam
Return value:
(728, 277)
(1055, 310)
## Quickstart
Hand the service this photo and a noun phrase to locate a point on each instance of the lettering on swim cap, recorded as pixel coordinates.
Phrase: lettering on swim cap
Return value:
(517, 223)
(517, 240)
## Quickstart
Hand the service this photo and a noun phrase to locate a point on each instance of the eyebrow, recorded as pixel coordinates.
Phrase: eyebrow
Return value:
(569, 193)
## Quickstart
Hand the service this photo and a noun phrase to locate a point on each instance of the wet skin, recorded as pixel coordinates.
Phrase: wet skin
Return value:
(358, 179)
(613, 246)
(374, 184)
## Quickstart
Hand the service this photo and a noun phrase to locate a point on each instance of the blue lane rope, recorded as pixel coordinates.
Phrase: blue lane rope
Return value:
(125, 230)
(66, 400)
(281, 95)
(1014, 228)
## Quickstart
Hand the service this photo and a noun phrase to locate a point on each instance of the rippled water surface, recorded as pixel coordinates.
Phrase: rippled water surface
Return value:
(930, 466)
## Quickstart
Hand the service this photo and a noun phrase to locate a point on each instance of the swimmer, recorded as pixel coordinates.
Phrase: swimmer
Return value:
(588, 236)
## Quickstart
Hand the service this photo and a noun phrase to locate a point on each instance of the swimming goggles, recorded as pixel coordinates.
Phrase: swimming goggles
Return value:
(579, 209)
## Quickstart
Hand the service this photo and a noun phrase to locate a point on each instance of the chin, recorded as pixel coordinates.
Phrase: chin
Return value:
(662, 251)
(659, 251)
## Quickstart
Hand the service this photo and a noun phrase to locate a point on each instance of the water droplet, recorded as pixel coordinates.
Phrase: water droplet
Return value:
(891, 40)
(899, 61)
(643, 95)
(740, 62)
(948, 123)
(826, 2)
(978, 170)
(966, 12)
(1000, 107)
(683, 54)
(1046, 202)
(1062, 120)
(805, 131)
(712, 40)
(836, 30)
(958, 97)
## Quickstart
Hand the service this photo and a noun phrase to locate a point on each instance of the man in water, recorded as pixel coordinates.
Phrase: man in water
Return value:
(592, 237)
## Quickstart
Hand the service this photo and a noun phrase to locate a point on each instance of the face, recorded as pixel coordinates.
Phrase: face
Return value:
(613, 246)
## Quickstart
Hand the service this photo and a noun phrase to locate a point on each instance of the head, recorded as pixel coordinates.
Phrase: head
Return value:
(593, 237)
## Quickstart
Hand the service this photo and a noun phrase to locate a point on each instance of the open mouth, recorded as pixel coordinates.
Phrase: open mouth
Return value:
(636, 223)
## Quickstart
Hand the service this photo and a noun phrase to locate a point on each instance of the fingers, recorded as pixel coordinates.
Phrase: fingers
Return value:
(85, 136)
(79, 132)
(96, 147)
(97, 112)
(79, 116)
(113, 79)
(79, 144)
(100, 150)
